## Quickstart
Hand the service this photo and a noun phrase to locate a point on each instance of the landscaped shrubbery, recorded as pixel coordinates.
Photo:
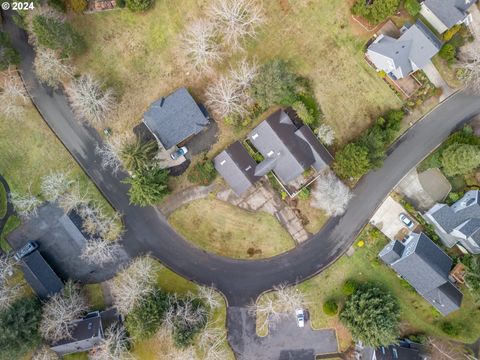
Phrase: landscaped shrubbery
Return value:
(138, 155)
(349, 287)
(412, 6)
(330, 307)
(203, 173)
(148, 186)
(450, 328)
(8, 55)
(375, 11)
(139, 5)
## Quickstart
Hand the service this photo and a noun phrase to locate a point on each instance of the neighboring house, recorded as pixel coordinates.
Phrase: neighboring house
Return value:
(410, 52)
(459, 223)
(40, 275)
(175, 118)
(444, 14)
(404, 350)
(287, 150)
(88, 332)
(426, 267)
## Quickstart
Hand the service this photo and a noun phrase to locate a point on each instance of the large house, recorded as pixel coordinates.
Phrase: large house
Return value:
(459, 223)
(175, 118)
(426, 267)
(444, 14)
(404, 350)
(410, 52)
(287, 150)
(87, 332)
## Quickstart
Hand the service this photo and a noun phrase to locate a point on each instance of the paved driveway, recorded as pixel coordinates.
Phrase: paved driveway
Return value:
(387, 219)
(434, 76)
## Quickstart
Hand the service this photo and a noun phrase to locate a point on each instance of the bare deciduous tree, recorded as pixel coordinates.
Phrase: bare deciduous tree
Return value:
(44, 353)
(211, 342)
(210, 296)
(236, 20)
(111, 149)
(132, 283)
(326, 134)
(185, 313)
(26, 205)
(100, 252)
(55, 185)
(199, 44)
(97, 224)
(114, 346)
(448, 350)
(330, 194)
(9, 291)
(282, 302)
(13, 96)
(229, 94)
(89, 100)
(471, 70)
(50, 68)
(72, 199)
(60, 311)
(168, 349)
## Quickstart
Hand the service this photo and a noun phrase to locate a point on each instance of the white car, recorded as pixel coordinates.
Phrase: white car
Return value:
(300, 315)
(406, 221)
(179, 152)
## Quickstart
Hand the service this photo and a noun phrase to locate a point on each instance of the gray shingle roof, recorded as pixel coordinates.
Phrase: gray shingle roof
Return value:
(175, 118)
(412, 50)
(237, 167)
(426, 267)
(449, 12)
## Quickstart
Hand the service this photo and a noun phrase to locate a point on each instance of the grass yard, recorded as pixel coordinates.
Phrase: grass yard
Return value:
(316, 37)
(12, 223)
(227, 230)
(3, 201)
(94, 294)
(316, 217)
(79, 356)
(418, 316)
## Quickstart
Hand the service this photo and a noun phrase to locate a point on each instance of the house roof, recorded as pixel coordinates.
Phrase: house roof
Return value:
(174, 118)
(426, 267)
(413, 49)
(397, 352)
(294, 149)
(40, 275)
(449, 12)
(237, 167)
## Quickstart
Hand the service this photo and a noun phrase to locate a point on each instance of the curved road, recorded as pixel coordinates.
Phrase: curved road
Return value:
(147, 230)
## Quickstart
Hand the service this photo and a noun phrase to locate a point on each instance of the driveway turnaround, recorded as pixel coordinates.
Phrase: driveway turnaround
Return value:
(147, 230)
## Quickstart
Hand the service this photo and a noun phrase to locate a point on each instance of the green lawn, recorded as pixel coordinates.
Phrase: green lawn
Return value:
(315, 36)
(418, 316)
(3, 201)
(12, 223)
(94, 295)
(79, 356)
(228, 230)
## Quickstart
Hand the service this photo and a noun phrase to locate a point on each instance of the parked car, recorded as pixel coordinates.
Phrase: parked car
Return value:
(300, 315)
(179, 152)
(406, 221)
(26, 249)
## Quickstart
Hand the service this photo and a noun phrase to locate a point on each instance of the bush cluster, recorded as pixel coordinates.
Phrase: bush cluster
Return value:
(375, 11)
(8, 55)
(330, 307)
(203, 173)
(148, 186)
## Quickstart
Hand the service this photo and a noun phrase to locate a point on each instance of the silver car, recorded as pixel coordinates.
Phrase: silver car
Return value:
(407, 221)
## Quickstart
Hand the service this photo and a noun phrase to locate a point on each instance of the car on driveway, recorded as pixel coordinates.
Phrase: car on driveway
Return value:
(300, 315)
(407, 221)
(25, 250)
(179, 152)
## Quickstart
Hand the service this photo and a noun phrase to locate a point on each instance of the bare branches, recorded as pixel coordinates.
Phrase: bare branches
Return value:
(236, 20)
(60, 311)
(326, 134)
(470, 70)
(72, 199)
(133, 283)
(55, 185)
(13, 96)
(26, 205)
(97, 224)
(114, 346)
(44, 353)
(9, 292)
(200, 45)
(89, 101)
(49, 68)
(168, 349)
(210, 296)
(211, 342)
(100, 252)
(229, 94)
(330, 194)
(111, 149)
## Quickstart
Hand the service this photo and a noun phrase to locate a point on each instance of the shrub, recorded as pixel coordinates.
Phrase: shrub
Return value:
(375, 11)
(58, 4)
(304, 194)
(448, 52)
(330, 307)
(78, 6)
(57, 35)
(460, 159)
(349, 287)
(8, 55)
(139, 5)
(412, 7)
(121, 3)
(138, 155)
(448, 35)
(352, 161)
(304, 114)
(148, 186)
(274, 84)
(192, 319)
(203, 173)
(450, 328)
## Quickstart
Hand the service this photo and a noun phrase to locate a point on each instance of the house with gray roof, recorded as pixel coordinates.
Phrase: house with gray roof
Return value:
(175, 118)
(287, 149)
(459, 223)
(426, 267)
(87, 332)
(404, 350)
(444, 14)
(410, 52)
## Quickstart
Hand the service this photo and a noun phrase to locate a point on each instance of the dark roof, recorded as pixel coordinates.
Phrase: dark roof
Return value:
(450, 12)
(237, 167)
(397, 352)
(446, 298)
(295, 150)
(392, 252)
(40, 275)
(174, 118)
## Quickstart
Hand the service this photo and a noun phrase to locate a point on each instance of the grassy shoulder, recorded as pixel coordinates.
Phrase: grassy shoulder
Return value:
(417, 315)
(3, 201)
(227, 230)
(12, 223)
